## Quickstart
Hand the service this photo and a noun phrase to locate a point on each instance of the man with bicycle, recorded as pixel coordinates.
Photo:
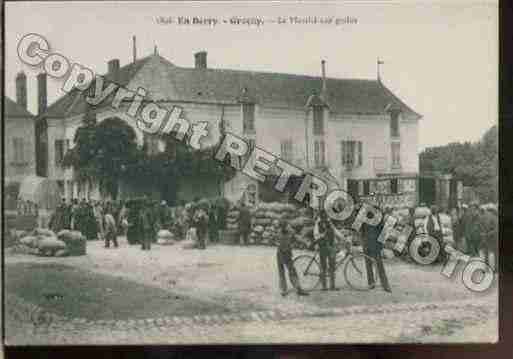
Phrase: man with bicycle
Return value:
(324, 237)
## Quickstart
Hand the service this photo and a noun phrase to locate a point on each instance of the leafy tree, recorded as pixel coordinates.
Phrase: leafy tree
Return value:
(475, 164)
(102, 151)
(107, 152)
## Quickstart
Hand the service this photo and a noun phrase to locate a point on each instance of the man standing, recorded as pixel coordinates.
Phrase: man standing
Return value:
(200, 222)
(284, 259)
(434, 229)
(213, 226)
(373, 247)
(164, 216)
(488, 234)
(57, 221)
(146, 225)
(110, 228)
(472, 230)
(244, 223)
(324, 238)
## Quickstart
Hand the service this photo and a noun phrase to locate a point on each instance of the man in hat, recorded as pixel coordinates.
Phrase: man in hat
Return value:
(324, 237)
(284, 259)
(488, 233)
(434, 228)
(373, 247)
(472, 230)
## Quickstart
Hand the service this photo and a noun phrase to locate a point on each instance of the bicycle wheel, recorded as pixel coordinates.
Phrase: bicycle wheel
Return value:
(356, 271)
(308, 271)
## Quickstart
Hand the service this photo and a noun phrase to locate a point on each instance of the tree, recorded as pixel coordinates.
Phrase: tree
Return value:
(102, 151)
(475, 164)
(107, 152)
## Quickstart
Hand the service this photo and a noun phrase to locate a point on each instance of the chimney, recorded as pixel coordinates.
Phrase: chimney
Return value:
(41, 93)
(134, 48)
(200, 60)
(113, 66)
(21, 89)
(323, 91)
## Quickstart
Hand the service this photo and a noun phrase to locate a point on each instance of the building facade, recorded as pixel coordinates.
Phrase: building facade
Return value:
(355, 131)
(19, 155)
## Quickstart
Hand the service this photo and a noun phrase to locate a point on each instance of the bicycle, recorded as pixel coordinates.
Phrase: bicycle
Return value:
(351, 265)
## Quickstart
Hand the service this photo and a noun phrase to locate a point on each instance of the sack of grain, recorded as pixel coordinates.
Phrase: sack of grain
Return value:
(232, 226)
(64, 234)
(17, 234)
(51, 243)
(44, 232)
(233, 214)
(262, 221)
(165, 241)
(258, 229)
(165, 234)
(29, 241)
(301, 222)
(61, 253)
(422, 212)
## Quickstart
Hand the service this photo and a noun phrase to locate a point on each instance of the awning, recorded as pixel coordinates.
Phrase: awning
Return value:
(43, 191)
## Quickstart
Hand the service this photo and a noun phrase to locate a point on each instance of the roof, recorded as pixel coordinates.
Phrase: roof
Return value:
(12, 109)
(345, 96)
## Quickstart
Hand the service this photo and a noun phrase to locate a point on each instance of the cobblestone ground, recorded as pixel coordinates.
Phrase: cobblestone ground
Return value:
(424, 306)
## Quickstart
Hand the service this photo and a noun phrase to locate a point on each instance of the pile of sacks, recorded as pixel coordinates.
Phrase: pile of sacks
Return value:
(165, 237)
(45, 242)
(265, 223)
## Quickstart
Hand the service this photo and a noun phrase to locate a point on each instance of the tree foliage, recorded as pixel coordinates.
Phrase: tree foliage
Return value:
(475, 164)
(107, 152)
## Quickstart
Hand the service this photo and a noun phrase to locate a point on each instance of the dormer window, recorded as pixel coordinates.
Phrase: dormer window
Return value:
(318, 120)
(248, 118)
(394, 124)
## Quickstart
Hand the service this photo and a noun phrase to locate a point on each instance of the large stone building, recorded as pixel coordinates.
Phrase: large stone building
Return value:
(356, 132)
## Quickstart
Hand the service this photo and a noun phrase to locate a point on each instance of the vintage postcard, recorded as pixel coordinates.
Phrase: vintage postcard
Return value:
(250, 172)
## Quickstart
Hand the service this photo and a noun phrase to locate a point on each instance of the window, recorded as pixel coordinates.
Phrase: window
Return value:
(19, 150)
(286, 150)
(352, 153)
(248, 118)
(319, 153)
(59, 152)
(318, 120)
(396, 154)
(394, 124)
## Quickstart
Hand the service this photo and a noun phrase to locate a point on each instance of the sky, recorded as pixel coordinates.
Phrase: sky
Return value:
(441, 58)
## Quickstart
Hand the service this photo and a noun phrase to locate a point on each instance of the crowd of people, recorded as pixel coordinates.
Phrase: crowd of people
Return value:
(474, 231)
(140, 219)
